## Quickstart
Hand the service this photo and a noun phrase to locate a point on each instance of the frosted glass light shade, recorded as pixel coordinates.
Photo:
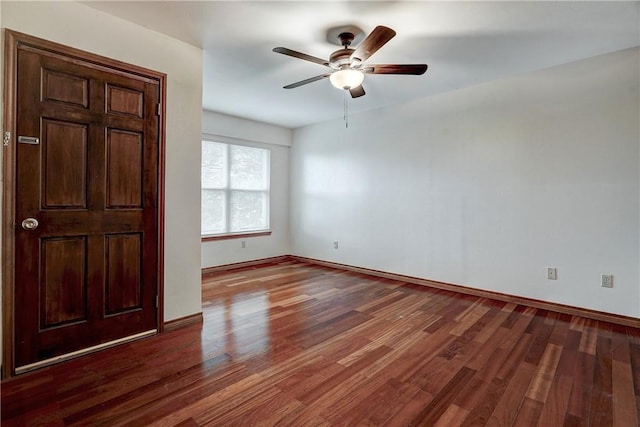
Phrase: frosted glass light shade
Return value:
(346, 79)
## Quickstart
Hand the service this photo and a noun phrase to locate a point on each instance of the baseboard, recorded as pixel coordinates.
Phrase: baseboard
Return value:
(544, 305)
(183, 322)
(245, 264)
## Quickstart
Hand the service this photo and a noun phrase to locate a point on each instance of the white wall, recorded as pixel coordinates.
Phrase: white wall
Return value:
(79, 26)
(487, 186)
(236, 130)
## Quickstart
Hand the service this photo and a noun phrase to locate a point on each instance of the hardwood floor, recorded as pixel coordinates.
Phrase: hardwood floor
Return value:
(302, 345)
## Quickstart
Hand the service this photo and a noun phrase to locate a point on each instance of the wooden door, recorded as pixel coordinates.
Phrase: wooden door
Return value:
(87, 170)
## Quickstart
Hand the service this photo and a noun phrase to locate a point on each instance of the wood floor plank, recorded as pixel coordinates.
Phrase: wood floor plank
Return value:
(484, 403)
(494, 324)
(330, 384)
(431, 413)
(453, 416)
(634, 355)
(541, 332)
(294, 344)
(409, 412)
(601, 413)
(589, 337)
(508, 407)
(553, 412)
(383, 405)
(529, 413)
(515, 358)
(539, 388)
(579, 405)
(624, 403)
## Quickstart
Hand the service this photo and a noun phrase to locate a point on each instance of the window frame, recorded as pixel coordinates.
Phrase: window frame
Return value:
(228, 190)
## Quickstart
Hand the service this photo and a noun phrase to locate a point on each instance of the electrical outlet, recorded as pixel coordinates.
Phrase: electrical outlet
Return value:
(552, 273)
(335, 245)
(607, 281)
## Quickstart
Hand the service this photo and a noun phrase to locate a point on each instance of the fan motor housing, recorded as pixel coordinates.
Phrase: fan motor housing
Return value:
(341, 56)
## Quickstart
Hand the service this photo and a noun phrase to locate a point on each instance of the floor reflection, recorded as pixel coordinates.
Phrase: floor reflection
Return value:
(237, 324)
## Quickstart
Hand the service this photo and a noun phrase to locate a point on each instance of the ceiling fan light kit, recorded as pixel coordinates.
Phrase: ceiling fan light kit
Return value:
(347, 64)
(346, 79)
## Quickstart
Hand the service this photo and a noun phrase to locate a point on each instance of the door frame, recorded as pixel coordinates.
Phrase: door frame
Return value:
(13, 39)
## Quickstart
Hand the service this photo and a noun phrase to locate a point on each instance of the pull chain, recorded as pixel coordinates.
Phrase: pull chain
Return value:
(345, 116)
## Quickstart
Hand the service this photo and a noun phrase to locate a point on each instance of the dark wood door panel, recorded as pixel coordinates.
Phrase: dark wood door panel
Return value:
(124, 272)
(124, 169)
(64, 148)
(88, 273)
(63, 281)
(127, 101)
(65, 88)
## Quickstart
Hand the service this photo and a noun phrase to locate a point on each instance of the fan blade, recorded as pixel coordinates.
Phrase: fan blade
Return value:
(357, 92)
(414, 69)
(309, 80)
(289, 52)
(374, 41)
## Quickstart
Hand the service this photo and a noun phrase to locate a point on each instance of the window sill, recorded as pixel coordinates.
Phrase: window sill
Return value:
(235, 236)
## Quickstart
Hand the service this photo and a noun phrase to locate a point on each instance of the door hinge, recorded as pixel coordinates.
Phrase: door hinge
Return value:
(159, 109)
(7, 138)
(157, 301)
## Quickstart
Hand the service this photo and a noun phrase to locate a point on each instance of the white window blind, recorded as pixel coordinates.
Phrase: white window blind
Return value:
(235, 188)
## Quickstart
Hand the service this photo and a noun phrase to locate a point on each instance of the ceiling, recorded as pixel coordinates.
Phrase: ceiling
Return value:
(464, 43)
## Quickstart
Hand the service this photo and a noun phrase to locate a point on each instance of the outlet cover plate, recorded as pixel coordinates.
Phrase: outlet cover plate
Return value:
(552, 273)
(607, 281)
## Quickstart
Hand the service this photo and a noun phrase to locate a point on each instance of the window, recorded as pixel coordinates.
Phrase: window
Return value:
(235, 189)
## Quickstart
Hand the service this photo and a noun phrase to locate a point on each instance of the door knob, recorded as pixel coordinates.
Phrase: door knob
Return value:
(30, 224)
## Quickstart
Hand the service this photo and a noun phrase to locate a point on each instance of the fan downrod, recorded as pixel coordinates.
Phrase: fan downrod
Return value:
(334, 35)
(346, 38)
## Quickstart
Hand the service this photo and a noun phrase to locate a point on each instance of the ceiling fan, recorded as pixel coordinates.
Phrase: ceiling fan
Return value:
(347, 64)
